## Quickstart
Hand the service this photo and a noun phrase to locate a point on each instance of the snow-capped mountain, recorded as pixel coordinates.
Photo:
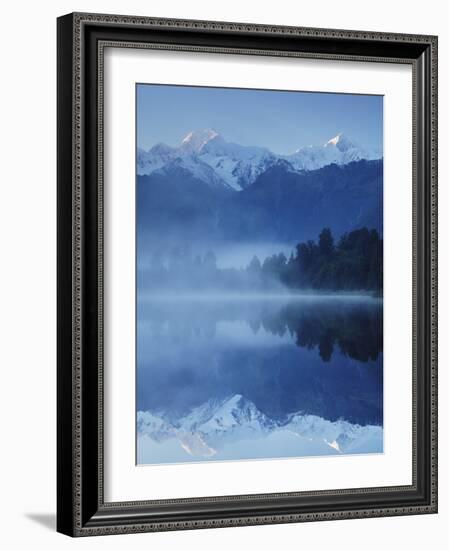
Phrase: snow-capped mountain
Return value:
(207, 156)
(195, 141)
(208, 428)
(339, 150)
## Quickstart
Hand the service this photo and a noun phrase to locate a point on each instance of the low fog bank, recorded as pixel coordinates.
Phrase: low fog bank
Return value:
(239, 256)
(353, 265)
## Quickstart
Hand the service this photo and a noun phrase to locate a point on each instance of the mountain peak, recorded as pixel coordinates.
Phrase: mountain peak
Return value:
(196, 140)
(341, 142)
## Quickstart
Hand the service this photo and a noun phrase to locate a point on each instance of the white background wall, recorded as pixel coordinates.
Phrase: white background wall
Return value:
(28, 283)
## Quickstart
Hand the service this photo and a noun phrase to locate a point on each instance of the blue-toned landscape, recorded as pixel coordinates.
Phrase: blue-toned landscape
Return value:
(259, 274)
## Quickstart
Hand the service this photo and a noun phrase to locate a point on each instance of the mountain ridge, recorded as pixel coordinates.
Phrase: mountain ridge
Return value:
(208, 156)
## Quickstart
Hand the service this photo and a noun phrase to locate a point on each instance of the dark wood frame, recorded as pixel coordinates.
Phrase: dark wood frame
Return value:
(81, 509)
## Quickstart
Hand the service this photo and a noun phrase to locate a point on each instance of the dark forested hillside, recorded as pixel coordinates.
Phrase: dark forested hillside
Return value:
(281, 206)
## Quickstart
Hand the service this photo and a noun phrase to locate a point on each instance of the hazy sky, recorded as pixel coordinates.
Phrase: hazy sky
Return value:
(281, 121)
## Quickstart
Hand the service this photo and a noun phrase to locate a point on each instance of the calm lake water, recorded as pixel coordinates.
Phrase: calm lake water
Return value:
(231, 378)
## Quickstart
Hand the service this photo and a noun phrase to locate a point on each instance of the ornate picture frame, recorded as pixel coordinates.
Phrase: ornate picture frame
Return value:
(81, 507)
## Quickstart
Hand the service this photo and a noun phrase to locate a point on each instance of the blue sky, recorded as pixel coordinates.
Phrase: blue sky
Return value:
(281, 121)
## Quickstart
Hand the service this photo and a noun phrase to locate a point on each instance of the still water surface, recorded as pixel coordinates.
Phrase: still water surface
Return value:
(233, 377)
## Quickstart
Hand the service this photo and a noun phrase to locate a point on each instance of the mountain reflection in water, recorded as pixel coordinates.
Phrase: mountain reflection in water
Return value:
(233, 378)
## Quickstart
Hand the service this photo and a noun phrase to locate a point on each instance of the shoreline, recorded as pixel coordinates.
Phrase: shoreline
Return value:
(257, 296)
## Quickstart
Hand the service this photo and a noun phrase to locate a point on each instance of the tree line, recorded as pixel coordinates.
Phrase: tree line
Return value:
(355, 262)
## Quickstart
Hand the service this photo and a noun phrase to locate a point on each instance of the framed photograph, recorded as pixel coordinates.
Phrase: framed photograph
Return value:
(247, 284)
